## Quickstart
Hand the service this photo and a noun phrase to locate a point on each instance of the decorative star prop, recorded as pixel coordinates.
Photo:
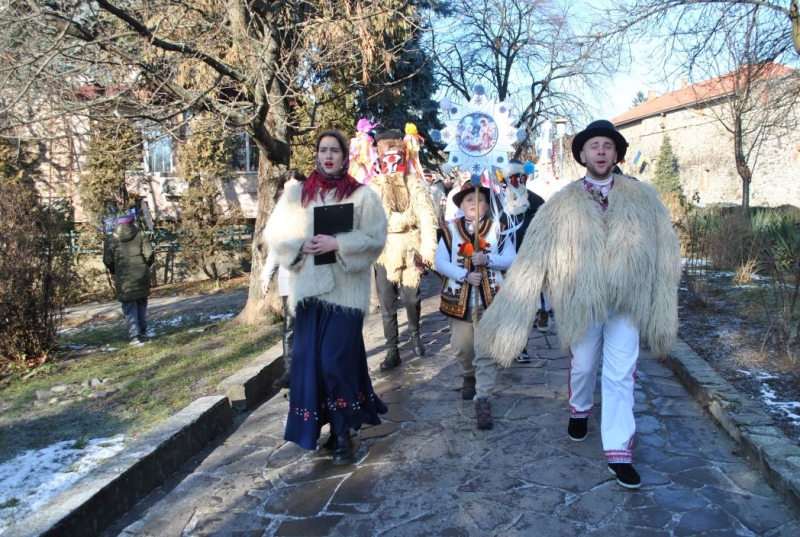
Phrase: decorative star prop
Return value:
(479, 135)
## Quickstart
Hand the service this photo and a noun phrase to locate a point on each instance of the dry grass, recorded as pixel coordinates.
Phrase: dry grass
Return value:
(186, 361)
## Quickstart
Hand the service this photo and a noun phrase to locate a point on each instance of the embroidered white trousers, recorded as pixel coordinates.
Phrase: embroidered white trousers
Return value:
(616, 342)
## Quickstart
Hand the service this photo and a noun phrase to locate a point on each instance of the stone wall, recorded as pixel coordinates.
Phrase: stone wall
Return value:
(704, 151)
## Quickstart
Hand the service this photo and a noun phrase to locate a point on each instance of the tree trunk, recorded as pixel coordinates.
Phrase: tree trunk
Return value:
(744, 171)
(255, 312)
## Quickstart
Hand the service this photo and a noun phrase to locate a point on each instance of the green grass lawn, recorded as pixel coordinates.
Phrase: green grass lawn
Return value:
(186, 361)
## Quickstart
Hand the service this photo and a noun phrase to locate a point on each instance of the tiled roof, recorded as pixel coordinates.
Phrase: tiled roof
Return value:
(696, 93)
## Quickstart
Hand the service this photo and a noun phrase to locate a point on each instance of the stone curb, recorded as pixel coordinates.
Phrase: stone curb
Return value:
(250, 385)
(763, 444)
(110, 490)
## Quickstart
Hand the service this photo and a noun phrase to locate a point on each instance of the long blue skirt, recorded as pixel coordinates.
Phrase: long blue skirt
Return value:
(330, 377)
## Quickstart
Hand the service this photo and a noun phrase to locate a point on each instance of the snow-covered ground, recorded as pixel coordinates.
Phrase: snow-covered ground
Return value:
(33, 478)
(789, 409)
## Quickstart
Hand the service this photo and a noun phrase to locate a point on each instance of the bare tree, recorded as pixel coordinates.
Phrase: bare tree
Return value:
(261, 66)
(697, 18)
(731, 50)
(527, 50)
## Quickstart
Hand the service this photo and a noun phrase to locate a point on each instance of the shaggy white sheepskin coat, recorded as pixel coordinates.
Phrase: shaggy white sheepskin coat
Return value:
(412, 225)
(344, 283)
(626, 259)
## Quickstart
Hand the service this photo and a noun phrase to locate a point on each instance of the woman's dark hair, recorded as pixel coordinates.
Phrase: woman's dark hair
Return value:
(333, 134)
(288, 175)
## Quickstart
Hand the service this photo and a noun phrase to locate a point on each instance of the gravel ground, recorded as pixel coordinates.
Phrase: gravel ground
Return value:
(733, 343)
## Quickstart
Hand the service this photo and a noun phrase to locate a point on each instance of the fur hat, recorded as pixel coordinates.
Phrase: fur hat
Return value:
(514, 167)
(383, 133)
(600, 127)
(468, 188)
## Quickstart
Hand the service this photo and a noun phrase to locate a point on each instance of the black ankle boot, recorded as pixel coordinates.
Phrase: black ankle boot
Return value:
(288, 343)
(344, 449)
(284, 380)
(416, 344)
(330, 443)
(392, 359)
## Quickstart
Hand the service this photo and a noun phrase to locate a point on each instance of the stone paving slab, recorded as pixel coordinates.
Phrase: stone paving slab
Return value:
(428, 471)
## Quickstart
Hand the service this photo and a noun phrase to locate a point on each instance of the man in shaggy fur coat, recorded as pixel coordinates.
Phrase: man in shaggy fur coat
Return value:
(610, 260)
(410, 243)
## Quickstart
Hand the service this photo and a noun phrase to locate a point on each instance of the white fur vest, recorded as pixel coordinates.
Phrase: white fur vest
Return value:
(344, 283)
(412, 224)
(626, 259)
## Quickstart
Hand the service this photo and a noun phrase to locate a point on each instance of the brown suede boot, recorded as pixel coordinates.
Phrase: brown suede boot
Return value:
(483, 413)
(468, 389)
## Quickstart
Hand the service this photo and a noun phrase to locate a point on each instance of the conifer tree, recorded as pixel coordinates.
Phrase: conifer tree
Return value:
(113, 149)
(205, 167)
(665, 176)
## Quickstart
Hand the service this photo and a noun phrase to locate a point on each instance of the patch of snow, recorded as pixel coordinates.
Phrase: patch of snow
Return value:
(175, 321)
(109, 349)
(77, 346)
(726, 331)
(771, 399)
(33, 478)
(222, 316)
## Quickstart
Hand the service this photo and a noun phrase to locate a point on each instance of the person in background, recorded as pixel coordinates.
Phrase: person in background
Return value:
(289, 177)
(466, 271)
(545, 183)
(329, 373)
(435, 186)
(128, 255)
(410, 243)
(606, 251)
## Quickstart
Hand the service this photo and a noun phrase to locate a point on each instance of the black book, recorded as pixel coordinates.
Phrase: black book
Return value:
(331, 220)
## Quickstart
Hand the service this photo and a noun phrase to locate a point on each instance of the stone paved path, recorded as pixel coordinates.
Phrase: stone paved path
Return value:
(428, 471)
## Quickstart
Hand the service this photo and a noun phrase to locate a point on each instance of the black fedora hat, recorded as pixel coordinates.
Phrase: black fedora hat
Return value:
(468, 188)
(600, 127)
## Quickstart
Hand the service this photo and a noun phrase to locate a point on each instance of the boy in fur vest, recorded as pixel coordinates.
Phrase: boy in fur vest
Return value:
(410, 243)
(466, 271)
(606, 252)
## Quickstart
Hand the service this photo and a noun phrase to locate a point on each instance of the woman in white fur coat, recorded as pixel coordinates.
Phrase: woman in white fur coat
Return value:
(607, 254)
(330, 378)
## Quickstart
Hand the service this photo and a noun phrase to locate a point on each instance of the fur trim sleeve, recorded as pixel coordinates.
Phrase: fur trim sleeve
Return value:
(287, 240)
(503, 331)
(662, 328)
(358, 249)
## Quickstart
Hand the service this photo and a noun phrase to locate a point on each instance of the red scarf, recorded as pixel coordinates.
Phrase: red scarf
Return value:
(319, 183)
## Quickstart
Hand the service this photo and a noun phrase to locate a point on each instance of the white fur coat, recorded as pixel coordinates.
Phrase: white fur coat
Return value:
(626, 259)
(344, 283)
